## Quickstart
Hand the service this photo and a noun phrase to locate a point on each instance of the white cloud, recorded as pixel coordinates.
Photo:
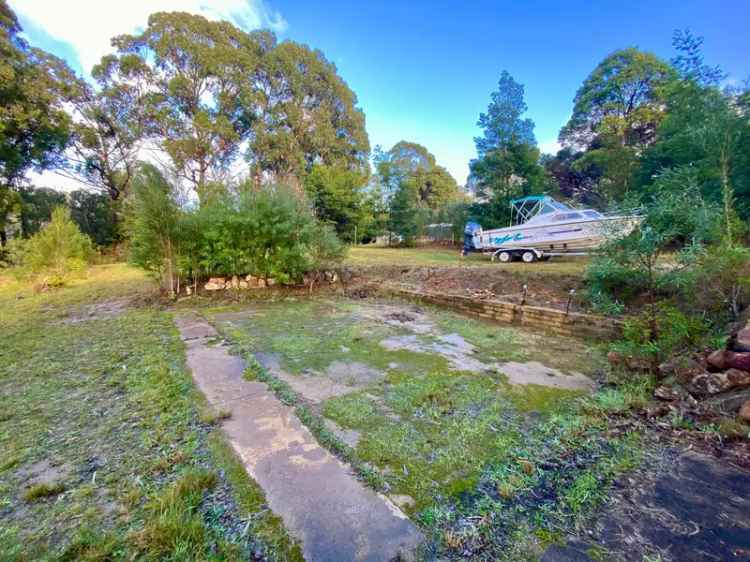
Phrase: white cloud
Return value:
(87, 26)
(549, 146)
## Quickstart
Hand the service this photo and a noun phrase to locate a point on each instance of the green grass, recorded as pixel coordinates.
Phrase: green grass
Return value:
(529, 463)
(103, 397)
(450, 257)
(43, 490)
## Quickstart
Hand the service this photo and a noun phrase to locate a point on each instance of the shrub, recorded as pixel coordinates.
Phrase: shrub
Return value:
(154, 223)
(657, 257)
(57, 251)
(270, 233)
(655, 335)
(721, 281)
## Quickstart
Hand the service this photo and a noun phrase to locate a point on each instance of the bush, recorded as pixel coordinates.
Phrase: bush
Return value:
(154, 223)
(269, 233)
(655, 335)
(57, 251)
(658, 257)
(721, 282)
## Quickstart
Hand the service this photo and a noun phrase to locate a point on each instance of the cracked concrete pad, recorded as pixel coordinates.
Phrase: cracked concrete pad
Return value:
(534, 372)
(320, 501)
(339, 378)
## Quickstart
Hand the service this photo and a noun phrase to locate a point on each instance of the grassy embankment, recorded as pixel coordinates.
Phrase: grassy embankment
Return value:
(108, 450)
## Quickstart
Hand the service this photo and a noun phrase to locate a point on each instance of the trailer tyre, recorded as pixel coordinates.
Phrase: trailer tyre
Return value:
(504, 257)
(528, 256)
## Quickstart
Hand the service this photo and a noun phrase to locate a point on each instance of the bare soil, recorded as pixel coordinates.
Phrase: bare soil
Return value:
(536, 288)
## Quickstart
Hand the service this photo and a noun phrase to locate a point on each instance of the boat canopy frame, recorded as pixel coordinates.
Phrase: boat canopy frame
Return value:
(526, 208)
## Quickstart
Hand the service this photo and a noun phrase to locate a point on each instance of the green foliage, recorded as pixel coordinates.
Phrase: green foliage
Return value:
(616, 113)
(338, 198)
(503, 125)
(43, 490)
(154, 225)
(503, 174)
(721, 281)
(37, 205)
(658, 256)
(58, 250)
(34, 86)
(214, 94)
(96, 216)
(659, 333)
(270, 233)
(410, 163)
(508, 161)
(406, 217)
(708, 130)
(621, 99)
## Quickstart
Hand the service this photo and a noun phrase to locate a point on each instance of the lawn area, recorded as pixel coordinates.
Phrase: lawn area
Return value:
(108, 450)
(422, 402)
(449, 257)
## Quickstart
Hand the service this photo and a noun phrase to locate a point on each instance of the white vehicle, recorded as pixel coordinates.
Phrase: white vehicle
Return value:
(542, 227)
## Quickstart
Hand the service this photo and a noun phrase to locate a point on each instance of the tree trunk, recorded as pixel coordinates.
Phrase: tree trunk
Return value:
(726, 192)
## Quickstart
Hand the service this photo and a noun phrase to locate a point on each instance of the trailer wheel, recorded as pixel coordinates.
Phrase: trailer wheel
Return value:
(528, 256)
(504, 257)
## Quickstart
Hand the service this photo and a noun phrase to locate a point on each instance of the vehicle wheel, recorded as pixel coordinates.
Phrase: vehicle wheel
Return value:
(528, 256)
(504, 257)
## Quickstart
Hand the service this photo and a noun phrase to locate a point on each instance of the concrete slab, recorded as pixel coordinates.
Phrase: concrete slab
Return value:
(322, 504)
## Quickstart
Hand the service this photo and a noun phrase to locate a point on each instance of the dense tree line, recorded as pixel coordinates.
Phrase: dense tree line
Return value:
(214, 104)
(218, 108)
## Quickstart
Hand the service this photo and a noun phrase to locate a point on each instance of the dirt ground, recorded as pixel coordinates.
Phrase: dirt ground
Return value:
(679, 506)
(535, 286)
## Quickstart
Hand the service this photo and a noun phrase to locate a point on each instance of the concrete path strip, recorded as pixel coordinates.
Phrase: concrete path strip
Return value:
(335, 517)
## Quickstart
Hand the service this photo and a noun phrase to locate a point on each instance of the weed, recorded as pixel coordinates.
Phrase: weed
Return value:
(43, 490)
(213, 417)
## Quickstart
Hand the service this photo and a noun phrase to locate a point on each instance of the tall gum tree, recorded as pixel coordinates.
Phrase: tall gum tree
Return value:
(221, 102)
(201, 100)
(616, 113)
(34, 124)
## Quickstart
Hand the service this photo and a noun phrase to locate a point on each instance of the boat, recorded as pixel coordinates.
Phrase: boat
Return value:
(542, 227)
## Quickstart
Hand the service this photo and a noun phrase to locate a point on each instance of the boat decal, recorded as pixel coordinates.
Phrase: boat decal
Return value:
(499, 240)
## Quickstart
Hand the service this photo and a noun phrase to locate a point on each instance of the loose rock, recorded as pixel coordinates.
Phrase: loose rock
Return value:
(739, 360)
(742, 340)
(717, 361)
(667, 393)
(215, 284)
(744, 413)
(684, 369)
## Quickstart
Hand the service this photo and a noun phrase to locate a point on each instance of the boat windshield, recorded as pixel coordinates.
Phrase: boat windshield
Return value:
(552, 206)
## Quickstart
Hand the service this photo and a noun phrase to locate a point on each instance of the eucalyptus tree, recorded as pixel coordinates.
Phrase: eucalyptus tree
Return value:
(200, 100)
(410, 162)
(308, 116)
(34, 125)
(616, 113)
(210, 96)
(110, 127)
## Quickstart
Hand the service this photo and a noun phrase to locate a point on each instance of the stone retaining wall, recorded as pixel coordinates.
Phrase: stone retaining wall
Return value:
(535, 317)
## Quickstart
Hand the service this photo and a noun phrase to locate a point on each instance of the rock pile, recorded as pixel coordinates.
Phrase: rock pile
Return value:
(723, 375)
(247, 282)
(253, 282)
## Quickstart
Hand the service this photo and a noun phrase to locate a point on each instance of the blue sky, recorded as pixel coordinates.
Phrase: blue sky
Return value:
(423, 71)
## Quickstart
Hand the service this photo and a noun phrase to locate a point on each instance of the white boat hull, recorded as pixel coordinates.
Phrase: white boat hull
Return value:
(561, 237)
